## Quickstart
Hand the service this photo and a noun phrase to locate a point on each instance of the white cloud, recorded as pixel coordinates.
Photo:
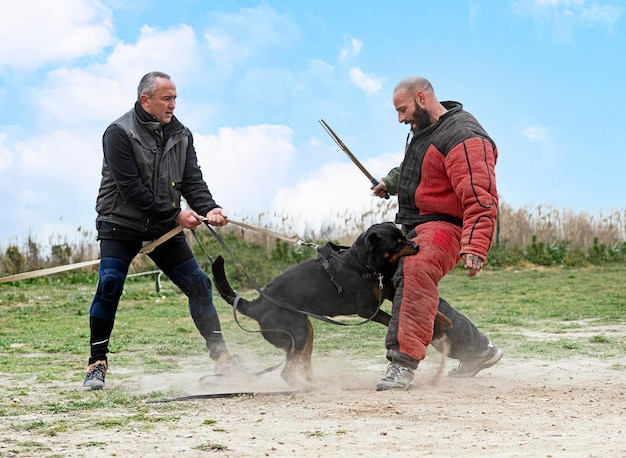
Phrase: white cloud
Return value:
(535, 134)
(544, 148)
(337, 193)
(557, 3)
(247, 169)
(111, 87)
(352, 49)
(61, 150)
(52, 176)
(37, 32)
(370, 84)
(567, 15)
(243, 166)
(605, 16)
(174, 50)
(225, 47)
(69, 97)
(60, 155)
(6, 157)
(235, 37)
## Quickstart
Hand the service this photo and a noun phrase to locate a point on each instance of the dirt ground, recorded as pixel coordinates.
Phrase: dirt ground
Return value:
(568, 408)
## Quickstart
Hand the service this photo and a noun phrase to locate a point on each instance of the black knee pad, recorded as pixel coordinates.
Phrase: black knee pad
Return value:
(111, 277)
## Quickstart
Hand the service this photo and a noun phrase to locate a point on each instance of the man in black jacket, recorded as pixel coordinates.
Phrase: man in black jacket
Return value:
(149, 164)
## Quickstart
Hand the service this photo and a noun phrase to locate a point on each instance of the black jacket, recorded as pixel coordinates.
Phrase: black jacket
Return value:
(146, 170)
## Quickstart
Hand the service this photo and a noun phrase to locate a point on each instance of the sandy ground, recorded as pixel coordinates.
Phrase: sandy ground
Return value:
(568, 408)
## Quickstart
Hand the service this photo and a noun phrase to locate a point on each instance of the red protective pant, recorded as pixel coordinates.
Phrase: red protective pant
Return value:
(417, 297)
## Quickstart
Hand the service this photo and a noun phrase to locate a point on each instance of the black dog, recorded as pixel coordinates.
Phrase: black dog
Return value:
(348, 282)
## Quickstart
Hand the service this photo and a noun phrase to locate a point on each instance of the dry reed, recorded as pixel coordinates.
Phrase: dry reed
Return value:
(517, 228)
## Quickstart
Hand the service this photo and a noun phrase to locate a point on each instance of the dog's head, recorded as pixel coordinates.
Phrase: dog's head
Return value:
(386, 244)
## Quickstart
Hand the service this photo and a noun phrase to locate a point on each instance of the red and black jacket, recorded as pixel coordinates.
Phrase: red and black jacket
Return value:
(448, 173)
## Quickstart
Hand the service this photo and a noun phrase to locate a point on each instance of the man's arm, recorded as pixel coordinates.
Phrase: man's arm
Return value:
(471, 168)
(388, 184)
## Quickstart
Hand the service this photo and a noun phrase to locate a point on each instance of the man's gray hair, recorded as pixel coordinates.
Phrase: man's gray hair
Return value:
(148, 83)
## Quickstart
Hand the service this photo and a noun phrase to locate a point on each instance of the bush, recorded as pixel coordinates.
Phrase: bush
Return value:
(575, 258)
(500, 256)
(13, 260)
(539, 253)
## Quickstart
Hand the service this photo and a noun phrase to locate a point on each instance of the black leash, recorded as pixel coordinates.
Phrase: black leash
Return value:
(273, 300)
(221, 396)
(281, 304)
(238, 297)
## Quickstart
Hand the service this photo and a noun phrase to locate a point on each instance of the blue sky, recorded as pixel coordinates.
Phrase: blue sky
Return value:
(546, 78)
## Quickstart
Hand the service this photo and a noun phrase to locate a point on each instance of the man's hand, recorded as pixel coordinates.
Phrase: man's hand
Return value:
(380, 189)
(189, 219)
(217, 217)
(473, 263)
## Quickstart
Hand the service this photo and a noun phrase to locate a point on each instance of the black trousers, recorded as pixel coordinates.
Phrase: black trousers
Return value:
(176, 260)
(463, 340)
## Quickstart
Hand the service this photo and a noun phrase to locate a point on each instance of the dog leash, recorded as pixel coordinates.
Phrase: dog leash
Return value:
(223, 395)
(148, 248)
(271, 299)
(286, 238)
(47, 271)
(238, 297)
(279, 303)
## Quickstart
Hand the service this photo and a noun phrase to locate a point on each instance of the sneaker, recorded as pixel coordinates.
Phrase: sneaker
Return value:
(94, 380)
(471, 367)
(230, 366)
(399, 377)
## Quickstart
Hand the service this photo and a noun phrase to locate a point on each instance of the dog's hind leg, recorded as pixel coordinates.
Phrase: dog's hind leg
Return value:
(290, 372)
(306, 354)
(298, 370)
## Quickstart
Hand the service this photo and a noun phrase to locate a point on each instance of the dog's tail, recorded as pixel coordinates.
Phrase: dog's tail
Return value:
(246, 307)
(221, 282)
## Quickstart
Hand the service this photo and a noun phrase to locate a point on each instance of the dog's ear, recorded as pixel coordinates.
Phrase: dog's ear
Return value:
(394, 228)
(372, 241)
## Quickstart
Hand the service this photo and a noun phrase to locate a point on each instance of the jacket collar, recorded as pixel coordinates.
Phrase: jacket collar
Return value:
(145, 117)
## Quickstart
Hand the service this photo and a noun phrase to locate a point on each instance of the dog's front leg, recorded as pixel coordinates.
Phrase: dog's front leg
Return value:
(382, 317)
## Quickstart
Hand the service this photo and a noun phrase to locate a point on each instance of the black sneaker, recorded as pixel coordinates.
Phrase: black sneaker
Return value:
(94, 380)
(471, 367)
(399, 377)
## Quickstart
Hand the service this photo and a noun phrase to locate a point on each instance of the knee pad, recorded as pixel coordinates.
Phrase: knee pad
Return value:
(191, 279)
(196, 285)
(111, 276)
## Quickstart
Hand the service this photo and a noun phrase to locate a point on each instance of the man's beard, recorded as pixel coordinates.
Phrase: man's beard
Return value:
(421, 118)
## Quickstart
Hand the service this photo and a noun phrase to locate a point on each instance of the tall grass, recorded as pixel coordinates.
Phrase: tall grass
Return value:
(551, 225)
(542, 235)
